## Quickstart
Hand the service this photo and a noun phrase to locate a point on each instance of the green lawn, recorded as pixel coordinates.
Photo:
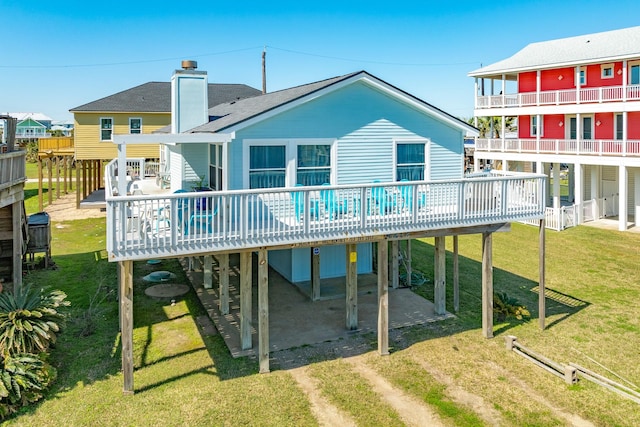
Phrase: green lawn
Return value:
(183, 378)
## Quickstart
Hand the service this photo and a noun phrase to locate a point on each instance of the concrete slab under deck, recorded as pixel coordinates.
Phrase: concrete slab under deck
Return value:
(295, 320)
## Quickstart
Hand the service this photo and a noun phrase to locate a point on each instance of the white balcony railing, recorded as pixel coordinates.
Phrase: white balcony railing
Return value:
(560, 97)
(190, 223)
(593, 147)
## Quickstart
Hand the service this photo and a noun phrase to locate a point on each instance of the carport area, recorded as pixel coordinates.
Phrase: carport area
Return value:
(295, 320)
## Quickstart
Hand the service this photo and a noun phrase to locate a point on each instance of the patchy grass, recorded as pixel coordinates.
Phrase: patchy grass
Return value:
(185, 378)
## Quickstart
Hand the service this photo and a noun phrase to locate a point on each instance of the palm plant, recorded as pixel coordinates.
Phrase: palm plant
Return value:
(23, 378)
(29, 320)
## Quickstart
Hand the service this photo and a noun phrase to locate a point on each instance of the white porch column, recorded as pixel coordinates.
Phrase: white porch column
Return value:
(546, 169)
(578, 190)
(539, 167)
(505, 164)
(556, 185)
(636, 180)
(594, 182)
(622, 199)
(476, 163)
(572, 182)
(122, 169)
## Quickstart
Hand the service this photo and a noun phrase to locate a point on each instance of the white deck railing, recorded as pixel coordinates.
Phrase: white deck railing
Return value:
(560, 97)
(592, 147)
(143, 227)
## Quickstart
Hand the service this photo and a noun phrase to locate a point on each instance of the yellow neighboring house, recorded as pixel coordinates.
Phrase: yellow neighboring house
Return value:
(141, 109)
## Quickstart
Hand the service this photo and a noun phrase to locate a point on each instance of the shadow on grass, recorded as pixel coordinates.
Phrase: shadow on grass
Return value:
(85, 359)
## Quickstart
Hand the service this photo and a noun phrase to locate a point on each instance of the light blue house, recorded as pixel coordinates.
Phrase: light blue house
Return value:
(310, 178)
(351, 129)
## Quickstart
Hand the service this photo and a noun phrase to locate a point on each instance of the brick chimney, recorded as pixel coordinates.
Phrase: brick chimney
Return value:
(189, 98)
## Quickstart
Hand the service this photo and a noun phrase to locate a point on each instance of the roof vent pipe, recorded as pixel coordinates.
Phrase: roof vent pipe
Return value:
(189, 65)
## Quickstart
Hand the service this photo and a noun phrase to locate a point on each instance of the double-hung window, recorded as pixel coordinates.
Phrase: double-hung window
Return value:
(410, 161)
(607, 71)
(536, 128)
(314, 164)
(215, 167)
(135, 125)
(106, 128)
(634, 75)
(267, 166)
(619, 127)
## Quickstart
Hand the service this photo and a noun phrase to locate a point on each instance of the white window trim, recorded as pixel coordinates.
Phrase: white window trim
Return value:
(604, 67)
(135, 118)
(629, 65)
(100, 129)
(583, 70)
(540, 126)
(291, 156)
(427, 154)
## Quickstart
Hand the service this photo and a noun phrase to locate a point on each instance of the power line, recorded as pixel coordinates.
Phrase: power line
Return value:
(296, 52)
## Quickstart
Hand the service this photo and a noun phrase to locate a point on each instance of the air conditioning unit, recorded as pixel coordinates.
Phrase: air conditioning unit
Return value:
(4, 148)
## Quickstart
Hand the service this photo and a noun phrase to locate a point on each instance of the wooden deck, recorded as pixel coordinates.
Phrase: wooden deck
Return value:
(190, 224)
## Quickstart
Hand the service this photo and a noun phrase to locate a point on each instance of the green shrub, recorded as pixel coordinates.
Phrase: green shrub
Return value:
(29, 320)
(23, 379)
(505, 306)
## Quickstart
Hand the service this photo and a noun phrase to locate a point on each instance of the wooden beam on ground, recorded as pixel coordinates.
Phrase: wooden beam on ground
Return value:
(487, 285)
(395, 262)
(352, 286)
(439, 277)
(383, 298)
(315, 273)
(541, 285)
(207, 272)
(223, 279)
(16, 223)
(263, 311)
(456, 276)
(245, 300)
(126, 323)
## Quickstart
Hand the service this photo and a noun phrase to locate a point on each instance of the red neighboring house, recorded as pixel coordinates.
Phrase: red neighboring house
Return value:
(576, 103)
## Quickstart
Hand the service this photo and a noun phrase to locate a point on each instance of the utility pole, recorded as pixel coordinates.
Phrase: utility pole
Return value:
(264, 70)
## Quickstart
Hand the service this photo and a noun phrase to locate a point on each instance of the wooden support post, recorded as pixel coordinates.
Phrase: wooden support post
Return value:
(57, 177)
(487, 285)
(84, 179)
(383, 298)
(40, 178)
(64, 173)
(223, 278)
(263, 311)
(50, 180)
(207, 272)
(78, 185)
(456, 276)
(245, 300)
(126, 323)
(395, 262)
(541, 285)
(439, 277)
(70, 160)
(408, 264)
(315, 274)
(16, 224)
(352, 286)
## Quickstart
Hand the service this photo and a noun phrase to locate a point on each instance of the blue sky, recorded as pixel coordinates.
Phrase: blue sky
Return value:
(57, 55)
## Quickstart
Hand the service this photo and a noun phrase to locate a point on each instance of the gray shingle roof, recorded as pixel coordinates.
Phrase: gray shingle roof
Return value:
(155, 97)
(597, 47)
(235, 112)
